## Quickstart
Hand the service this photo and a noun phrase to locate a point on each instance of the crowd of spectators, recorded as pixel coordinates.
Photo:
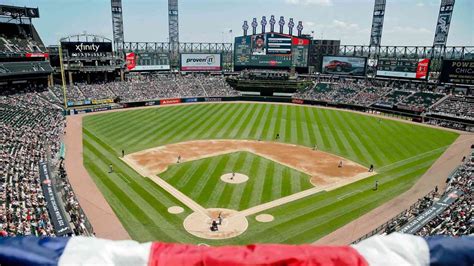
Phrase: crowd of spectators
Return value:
(32, 129)
(389, 94)
(419, 101)
(408, 215)
(357, 92)
(457, 218)
(455, 106)
(150, 87)
(81, 225)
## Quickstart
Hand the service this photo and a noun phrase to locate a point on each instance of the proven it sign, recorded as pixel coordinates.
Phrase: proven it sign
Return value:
(201, 62)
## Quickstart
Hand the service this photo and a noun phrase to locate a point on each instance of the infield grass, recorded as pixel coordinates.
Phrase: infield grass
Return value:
(401, 153)
(268, 180)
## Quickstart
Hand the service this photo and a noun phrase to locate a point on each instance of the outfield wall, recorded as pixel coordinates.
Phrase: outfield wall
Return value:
(399, 113)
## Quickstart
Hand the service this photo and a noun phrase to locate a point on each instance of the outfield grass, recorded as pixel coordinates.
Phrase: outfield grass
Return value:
(268, 180)
(400, 152)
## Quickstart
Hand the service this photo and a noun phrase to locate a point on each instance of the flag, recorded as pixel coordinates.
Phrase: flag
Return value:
(394, 249)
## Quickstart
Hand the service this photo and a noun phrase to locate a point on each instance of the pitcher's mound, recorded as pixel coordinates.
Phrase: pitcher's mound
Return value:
(175, 210)
(264, 218)
(199, 224)
(234, 178)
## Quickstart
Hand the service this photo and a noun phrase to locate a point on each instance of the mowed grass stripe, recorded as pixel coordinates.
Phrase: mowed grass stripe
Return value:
(207, 121)
(334, 134)
(229, 125)
(180, 125)
(249, 131)
(249, 110)
(146, 120)
(351, 149)
(328, 143)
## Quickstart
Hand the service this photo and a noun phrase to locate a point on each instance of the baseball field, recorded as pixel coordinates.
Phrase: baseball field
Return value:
(186, 165)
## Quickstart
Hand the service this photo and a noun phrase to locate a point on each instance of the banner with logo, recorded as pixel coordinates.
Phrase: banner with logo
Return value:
(344, 65)
(170, 101)
(58, 218)
(444, 21)
(430, 213)
(403, 68)
(87, 49)
(147, 61)
(457, 71)
(213, 99)
(190, 100)
(201, 62)
(377, 23)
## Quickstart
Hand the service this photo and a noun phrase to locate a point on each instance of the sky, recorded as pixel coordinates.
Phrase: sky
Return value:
(407, 22)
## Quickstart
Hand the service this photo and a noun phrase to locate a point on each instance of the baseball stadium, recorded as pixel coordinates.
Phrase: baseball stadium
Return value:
(275, 147)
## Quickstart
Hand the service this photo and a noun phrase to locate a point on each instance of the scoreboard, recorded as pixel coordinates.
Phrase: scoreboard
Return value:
(147, 61)
(403, 68)
(271, 50)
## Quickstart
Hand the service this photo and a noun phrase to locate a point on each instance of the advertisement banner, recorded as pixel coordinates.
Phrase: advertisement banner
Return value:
(42, 55)
(344, 65)
(190, 100)
(145, 61)
(430, 213)
(444, 21)
(403, 68)
(297, 101)
(170, 101)
(201, 62)
(457, 71)
(212, 99)
(58, 218)
(87, 49)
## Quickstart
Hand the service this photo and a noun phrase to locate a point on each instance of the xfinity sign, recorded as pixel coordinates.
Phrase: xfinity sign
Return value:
(201, 62)
(87, 49)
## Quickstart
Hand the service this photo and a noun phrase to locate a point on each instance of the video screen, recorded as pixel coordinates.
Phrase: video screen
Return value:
(344, 65)
(403, 68)
(271, 50)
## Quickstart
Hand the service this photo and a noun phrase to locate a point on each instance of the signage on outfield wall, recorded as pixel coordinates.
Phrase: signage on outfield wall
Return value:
(201, 62)
(297, 101)
(170, 101)
(212, 99)
(457, 72)
(58, 218)
(190, 100)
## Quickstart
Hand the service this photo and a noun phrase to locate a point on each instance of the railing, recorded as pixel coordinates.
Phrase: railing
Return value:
(383, 228)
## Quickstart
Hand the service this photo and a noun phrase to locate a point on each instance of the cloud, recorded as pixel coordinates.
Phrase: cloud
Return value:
(344, 25)
(409, 30)
(310, 2)
(420, 4)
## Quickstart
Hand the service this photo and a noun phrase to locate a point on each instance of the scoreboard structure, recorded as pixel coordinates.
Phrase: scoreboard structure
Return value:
(271, 51)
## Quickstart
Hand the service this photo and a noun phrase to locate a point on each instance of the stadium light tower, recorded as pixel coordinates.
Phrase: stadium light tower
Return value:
(173, 28)
(117, 24)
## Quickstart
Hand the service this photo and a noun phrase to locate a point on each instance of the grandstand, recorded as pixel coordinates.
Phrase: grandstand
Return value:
(23, 55)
